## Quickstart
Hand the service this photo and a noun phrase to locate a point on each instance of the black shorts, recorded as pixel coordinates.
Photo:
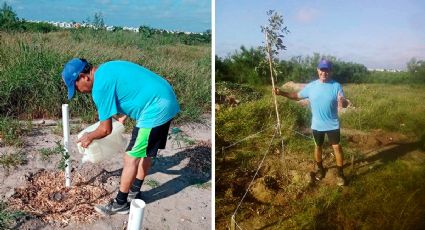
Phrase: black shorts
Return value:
(333, 137)
(145, 142)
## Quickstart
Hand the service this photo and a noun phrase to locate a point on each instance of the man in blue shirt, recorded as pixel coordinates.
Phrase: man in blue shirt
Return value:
(325, 95)
(122, 87)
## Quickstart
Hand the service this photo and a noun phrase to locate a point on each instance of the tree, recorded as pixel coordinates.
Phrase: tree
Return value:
(98, 21)
(8, 18)
(274, 33)
(146, 30)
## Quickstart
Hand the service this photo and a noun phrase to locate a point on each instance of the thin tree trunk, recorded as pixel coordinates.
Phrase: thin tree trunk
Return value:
(273, 86)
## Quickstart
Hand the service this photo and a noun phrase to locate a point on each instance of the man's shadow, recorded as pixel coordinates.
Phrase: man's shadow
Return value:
(380, 158)
(196, 171)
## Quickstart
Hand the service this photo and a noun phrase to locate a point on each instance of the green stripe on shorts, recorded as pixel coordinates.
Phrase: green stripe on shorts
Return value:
(141, 144)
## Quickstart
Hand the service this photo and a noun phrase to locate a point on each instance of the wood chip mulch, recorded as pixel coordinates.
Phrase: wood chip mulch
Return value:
(46, 197)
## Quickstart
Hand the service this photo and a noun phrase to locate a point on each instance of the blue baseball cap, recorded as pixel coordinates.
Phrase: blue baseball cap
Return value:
(70, 73)
(324, 64)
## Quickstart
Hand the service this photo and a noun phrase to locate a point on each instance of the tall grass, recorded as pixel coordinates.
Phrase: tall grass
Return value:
(397, 108)
(31, 63)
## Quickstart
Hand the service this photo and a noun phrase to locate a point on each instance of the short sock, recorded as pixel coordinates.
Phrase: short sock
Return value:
(137, 184)
(121, 197)
(319, 165)
(340, 171)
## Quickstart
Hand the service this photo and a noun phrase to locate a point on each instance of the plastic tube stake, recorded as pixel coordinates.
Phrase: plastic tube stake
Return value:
(65, 124)
(135, 219)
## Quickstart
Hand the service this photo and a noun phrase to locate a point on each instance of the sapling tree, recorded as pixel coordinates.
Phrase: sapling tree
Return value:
(274, 32)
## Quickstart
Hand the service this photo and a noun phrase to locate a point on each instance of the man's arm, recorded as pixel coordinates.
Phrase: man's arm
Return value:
(103, 130)
(342, 102)
(292, 96)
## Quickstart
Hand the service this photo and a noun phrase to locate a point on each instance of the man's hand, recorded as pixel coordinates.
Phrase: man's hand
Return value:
(85, 140)
(122, 119)
(342, 102)
(292, 96)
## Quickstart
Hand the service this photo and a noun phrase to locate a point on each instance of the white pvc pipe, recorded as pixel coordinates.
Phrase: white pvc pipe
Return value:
(65, 125)
(135, 219)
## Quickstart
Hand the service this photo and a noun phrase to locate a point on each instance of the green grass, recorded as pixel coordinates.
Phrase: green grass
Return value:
(8, 217)
(31, 64)
(202, 185)
(12, 131)
(152, 183)
(10, 160)
(74, 128)
(389, 107)
(180, 137)
(46, 153)
(391, 197)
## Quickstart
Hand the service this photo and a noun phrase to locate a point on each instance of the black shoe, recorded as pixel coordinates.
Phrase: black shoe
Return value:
(319, 174)
(112, 208)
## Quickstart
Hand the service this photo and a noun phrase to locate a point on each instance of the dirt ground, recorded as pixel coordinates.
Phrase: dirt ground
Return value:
(177, 190)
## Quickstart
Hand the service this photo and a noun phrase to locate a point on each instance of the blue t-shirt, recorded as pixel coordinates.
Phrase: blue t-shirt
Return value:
(127, 88)
(323, 99)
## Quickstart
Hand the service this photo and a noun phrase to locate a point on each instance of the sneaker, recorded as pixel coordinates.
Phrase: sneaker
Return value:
(340, 180)
(112, 208)
(319, 174)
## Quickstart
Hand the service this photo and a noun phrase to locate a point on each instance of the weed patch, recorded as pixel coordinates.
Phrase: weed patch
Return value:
(11, 160)
(59, 149)
(11, 131)
(8, 217)
(152, 183)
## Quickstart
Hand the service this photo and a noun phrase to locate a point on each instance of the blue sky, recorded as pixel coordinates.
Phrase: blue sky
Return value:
(378, 34)
(182, 15)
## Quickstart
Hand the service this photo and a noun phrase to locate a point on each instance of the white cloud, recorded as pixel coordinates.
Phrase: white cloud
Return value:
(306, 15)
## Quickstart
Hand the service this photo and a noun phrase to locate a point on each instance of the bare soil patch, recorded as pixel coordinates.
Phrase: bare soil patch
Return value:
(177, 190)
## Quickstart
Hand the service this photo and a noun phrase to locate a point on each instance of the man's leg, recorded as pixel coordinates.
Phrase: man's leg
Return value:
(157, 140)
(334, 138)
(128, 173)
(319, 138)
(142, 172)
(144, 166)
(339, 157)
(318, 153)
(135, 151)
(120, 204)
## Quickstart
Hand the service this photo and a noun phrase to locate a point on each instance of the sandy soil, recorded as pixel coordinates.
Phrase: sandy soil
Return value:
(177, 191)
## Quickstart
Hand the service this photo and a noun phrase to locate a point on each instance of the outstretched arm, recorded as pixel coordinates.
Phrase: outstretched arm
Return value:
(292, 96)
(342, 102)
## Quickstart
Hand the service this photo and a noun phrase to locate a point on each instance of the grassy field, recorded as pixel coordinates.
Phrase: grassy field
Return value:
(383, 136)
(31, 64)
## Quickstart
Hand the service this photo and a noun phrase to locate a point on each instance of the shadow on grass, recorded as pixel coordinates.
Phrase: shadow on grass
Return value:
(385, 154)
(197, 171)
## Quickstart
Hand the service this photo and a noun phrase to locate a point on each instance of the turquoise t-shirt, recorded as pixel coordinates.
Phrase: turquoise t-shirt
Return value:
(127, 88)
(323, 99)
